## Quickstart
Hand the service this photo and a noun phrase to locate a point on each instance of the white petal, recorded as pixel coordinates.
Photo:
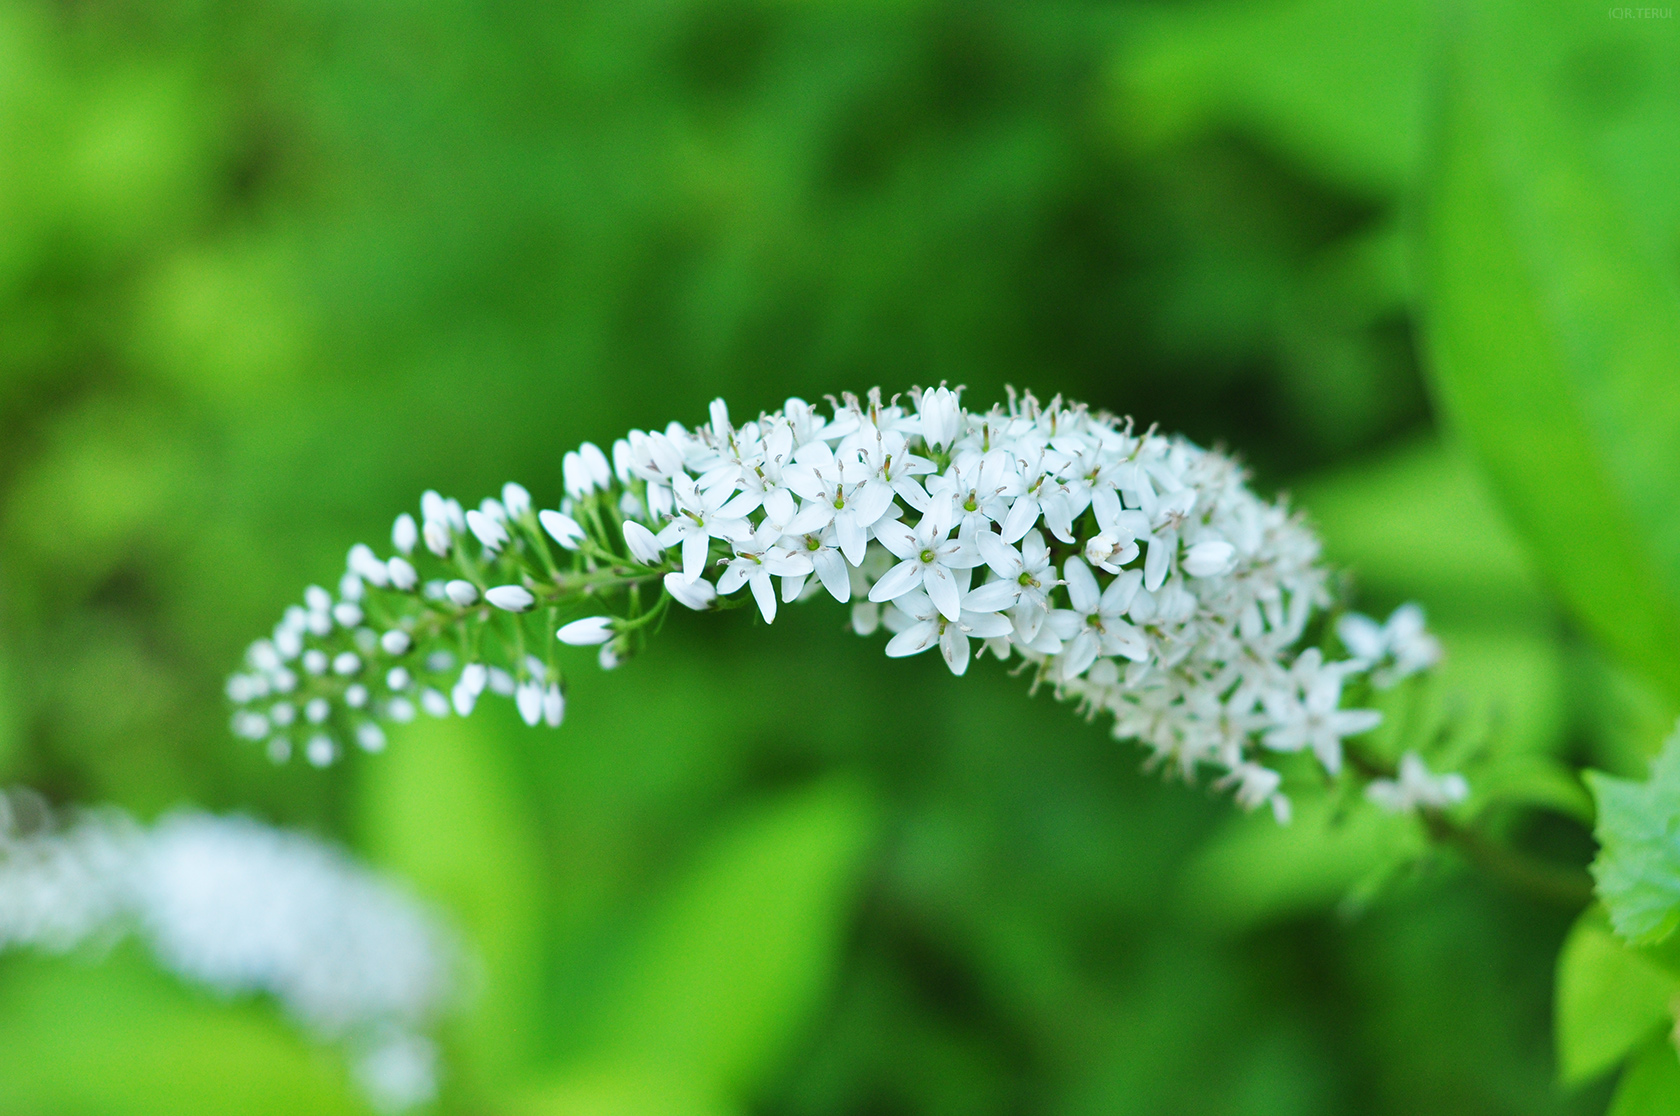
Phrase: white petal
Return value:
(897, 537)
(765, 594)
(831, 571)
(898, 581)
(696, 544)
(913, 640)
(942, 590)
(953, 647)
(1081, 586)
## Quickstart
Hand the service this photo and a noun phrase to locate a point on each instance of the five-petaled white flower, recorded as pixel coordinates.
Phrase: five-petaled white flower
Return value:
(927, 560)
(699, 519)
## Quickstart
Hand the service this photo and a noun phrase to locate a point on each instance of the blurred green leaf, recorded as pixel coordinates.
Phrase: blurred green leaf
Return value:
(1609, 999)
(1638, 864)
(1554, 340)
(1651, 1085)
(1336, 86)
(444, 809)
(122, 1039)
(1254, 870)
(744, 946)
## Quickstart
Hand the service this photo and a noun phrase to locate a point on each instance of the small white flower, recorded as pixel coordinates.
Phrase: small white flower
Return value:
(397, 679)
(315, 661)
(1417, 787)
(927, 560)
(698, 521)
(554, 705)
(433, 702)
(1304, 714)
(977, 616)
(1096, 623)
(1392, 651)
(511, 598)
(396, 642)
(644, 546)
(562, 528)
(463, 593)
(346, 663)
(587, 632)
(755, 567)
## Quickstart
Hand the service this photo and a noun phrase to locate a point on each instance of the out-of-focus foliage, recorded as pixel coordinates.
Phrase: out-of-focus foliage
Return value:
(269, 270)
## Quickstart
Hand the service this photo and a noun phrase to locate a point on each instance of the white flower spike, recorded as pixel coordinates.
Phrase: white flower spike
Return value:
(1134, 573)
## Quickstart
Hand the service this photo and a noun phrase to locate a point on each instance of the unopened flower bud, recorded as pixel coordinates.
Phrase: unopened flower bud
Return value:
(433, 702)
(595, 465)
(317, 599)
(347, 663)
(366, 565)
(397, 679)
(644, 546)
(317, 710)
(315, 661)
(404, 534)
(350, 587)
(697, 595)
(396, 642)
(562, 528)
(439, 539)
(554, 705)
(461, 592)
(403, 575)
(347, 613)
(587, 632)
(529, 698)
(356, 695)
(320, 751)
(575, 476)
(516, 500)
(487, 530)
(513, 598)
(370, 737)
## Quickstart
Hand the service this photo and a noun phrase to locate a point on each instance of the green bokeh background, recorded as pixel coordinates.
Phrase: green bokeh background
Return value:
(268, 270)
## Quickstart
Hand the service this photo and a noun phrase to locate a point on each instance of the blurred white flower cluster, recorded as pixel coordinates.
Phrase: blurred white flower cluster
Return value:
(1131, 571)
(240, 908)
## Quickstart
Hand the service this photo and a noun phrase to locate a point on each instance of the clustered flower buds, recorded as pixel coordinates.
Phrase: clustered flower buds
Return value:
(241, 908)
(1130, 571)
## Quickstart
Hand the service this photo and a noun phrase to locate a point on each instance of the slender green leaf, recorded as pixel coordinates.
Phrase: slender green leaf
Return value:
(1554, 339)
(443, 809)
(1609, 999)
(743, 947)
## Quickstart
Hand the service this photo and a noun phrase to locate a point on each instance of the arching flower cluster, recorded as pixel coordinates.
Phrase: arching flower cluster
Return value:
(240, 908)
(1131, 571)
